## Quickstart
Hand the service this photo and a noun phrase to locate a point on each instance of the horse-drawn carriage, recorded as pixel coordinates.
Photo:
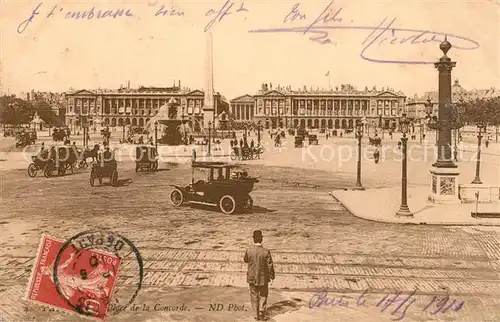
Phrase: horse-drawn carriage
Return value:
(228, 191)
(313, 139)
(246, 153)
(107, 167)
(61, 159)
(59, 134)
(146, 157)
(24, 139)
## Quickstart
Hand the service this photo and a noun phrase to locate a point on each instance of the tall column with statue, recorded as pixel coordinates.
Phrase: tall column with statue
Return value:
(444, 173)
(209, 104)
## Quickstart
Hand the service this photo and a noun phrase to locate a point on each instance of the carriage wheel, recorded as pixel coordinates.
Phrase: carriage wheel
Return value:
(114, 178)
(233, 156)
(32, 170)
(176, 198)
(47, 170)
(92, 178)
(227, 204)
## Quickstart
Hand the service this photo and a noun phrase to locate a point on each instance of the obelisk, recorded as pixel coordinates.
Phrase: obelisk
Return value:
(208, 104)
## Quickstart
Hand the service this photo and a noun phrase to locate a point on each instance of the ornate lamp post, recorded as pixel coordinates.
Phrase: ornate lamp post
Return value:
(480, 128)
(359, 135)
(209, 133)
(156, 135)
(444, 172)
(259, 127)
(404, 211)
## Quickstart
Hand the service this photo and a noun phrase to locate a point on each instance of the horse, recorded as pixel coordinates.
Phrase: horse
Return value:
(89, 154)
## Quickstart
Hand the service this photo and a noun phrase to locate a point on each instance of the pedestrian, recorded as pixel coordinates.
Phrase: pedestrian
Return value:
(259, 274)
(376, 155)
(487, 142)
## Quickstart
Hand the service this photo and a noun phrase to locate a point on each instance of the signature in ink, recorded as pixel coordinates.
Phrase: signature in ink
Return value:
(396, 304)
(223, 12)
(25, 23)
(321, 299)
(384, 33)
(404, 304)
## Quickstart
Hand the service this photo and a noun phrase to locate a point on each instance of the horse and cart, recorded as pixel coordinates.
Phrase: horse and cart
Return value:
(146, 158)
(24, 139)
(105, 167)
(246, 153)
(61, 160)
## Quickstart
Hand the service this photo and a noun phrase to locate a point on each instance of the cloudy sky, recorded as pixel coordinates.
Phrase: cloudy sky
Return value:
(369, 43)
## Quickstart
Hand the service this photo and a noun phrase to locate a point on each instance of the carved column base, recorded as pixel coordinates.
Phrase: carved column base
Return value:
(444, 186)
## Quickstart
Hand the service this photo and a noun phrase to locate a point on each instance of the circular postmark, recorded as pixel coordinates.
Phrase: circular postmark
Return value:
(97, 269)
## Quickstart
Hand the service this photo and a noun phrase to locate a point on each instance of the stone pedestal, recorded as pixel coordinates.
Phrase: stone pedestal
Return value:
(444, 185)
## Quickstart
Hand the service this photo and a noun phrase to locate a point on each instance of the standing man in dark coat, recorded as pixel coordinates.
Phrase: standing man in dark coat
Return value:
(260, 273)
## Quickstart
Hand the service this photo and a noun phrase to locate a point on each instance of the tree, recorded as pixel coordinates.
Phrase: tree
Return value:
(481, 110)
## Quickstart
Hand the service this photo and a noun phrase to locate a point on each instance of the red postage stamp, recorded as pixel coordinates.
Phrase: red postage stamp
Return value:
(82, 282)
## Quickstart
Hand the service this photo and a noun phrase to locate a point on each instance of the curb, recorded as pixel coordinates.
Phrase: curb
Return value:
(375, 219)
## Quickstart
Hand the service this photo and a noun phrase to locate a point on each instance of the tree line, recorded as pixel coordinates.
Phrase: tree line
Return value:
(14, 110)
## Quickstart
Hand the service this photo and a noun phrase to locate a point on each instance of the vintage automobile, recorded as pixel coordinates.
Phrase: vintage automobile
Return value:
(60, 159)
(146, 157)
(228, 191)
(313, 139)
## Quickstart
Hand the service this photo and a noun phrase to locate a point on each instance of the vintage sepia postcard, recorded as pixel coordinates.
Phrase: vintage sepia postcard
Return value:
(249, 160)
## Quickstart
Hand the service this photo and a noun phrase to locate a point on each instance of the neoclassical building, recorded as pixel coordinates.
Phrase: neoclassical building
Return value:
(316, 109)
(135, 107)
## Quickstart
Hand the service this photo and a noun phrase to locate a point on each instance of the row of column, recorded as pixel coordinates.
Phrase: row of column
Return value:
(126, 105)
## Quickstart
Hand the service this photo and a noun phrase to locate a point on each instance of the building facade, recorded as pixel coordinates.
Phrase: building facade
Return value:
(135, 107)
(320, 109)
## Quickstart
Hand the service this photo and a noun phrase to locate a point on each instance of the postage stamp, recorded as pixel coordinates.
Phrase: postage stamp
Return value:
(85, 277)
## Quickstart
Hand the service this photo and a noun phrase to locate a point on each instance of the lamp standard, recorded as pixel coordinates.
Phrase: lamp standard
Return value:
(359, 134)
(404, 211)
(156, 135)
(480, 127)
(123, 132)
(209, 133)
(259, 126)
(214, 133)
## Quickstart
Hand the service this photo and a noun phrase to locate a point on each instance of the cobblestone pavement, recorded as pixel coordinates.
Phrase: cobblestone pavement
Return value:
(193, 255)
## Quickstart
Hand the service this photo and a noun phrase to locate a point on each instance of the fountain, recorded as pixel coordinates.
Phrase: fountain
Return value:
(169, 122)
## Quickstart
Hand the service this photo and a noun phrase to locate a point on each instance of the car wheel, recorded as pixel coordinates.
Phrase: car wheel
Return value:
(227, 204)
(176, 198)
(32, 170)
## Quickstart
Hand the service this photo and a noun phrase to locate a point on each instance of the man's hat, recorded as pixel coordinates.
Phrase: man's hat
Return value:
(257, 233)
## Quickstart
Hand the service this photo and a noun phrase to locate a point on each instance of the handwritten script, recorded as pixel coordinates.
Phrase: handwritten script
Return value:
(396, 304)
(322, 29)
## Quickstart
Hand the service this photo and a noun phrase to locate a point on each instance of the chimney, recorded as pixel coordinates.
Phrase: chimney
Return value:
(128, 85)
(179, 84)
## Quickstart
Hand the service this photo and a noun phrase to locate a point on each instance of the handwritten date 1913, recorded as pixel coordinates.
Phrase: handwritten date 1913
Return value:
(222, 13)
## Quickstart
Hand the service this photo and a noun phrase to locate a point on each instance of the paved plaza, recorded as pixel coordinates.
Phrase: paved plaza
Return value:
(193, 255)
